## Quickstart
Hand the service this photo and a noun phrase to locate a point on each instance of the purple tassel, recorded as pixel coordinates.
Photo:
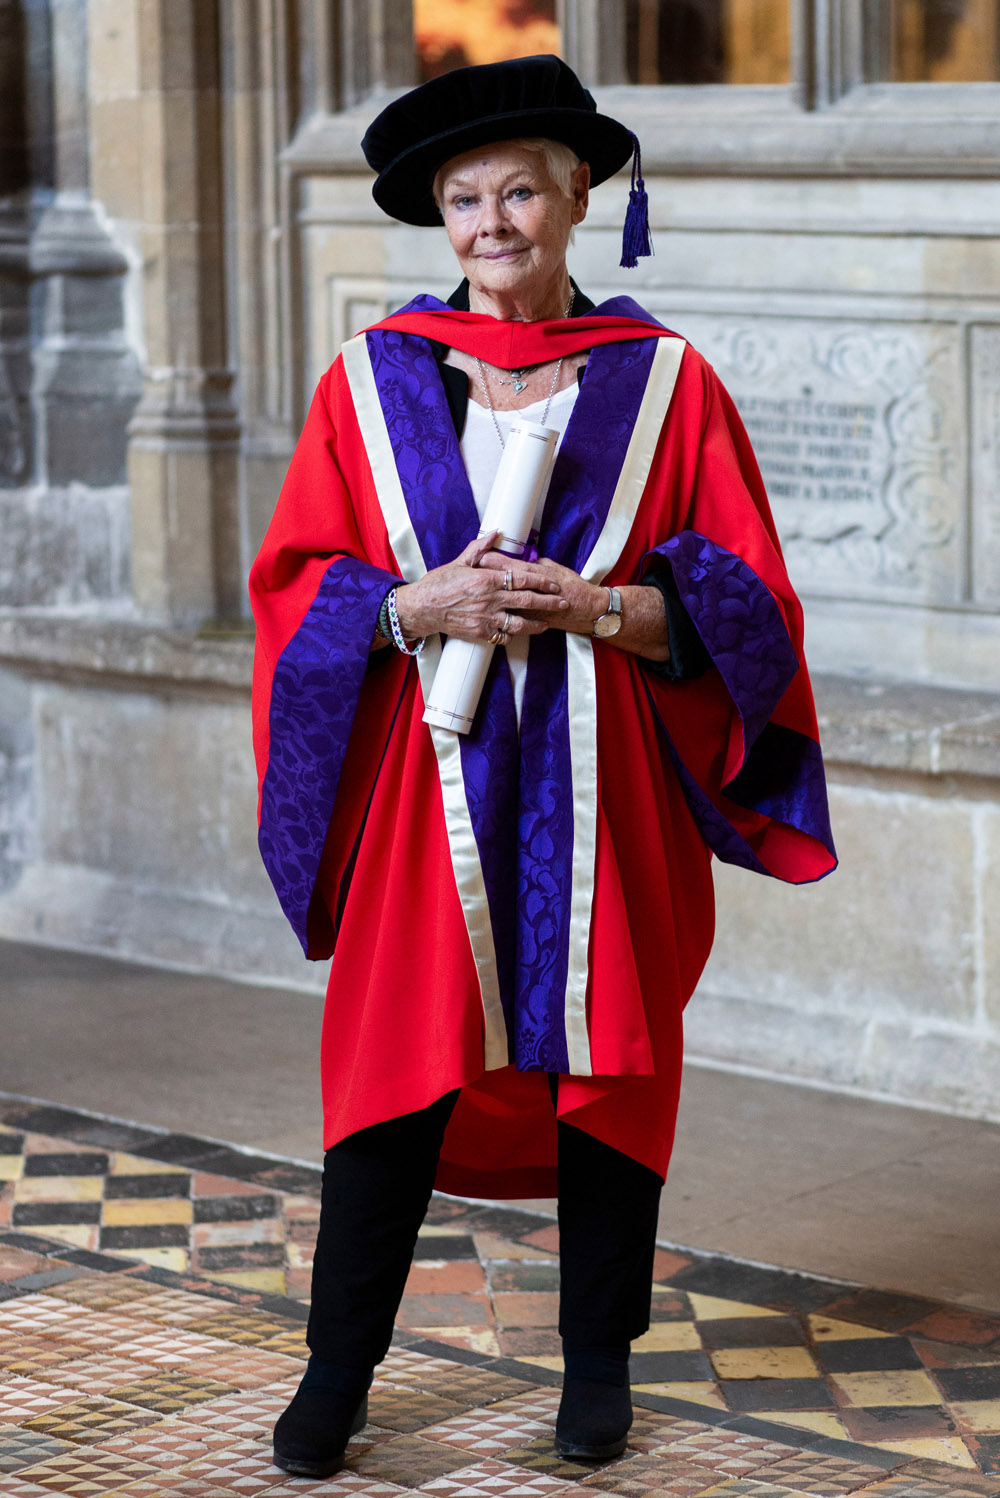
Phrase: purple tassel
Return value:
(636, 238)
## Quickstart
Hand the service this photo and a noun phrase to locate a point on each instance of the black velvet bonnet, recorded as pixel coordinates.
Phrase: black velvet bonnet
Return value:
(540, 96)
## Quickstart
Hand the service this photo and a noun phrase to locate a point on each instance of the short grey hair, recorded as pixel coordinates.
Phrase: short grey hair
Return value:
(561, 162)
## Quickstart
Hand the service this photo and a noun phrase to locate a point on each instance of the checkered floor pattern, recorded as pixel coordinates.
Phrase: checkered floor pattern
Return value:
(152, 1292)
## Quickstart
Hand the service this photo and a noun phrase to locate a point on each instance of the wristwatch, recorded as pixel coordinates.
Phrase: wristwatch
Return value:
(610, 622)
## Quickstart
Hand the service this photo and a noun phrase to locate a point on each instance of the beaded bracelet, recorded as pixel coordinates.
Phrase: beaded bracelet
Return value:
(397, 634)
(383, 626)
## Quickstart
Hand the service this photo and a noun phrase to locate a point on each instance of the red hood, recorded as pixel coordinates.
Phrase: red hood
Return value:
(512, 345)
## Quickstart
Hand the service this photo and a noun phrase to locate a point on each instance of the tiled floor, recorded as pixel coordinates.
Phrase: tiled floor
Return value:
(152, 1301)
(762, 1169)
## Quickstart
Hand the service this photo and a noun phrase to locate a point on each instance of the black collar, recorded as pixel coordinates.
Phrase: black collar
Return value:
(459, 300)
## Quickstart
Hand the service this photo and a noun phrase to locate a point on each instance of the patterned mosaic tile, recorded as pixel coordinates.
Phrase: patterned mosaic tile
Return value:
(246, 1369)
(21, 1399)
(167, 1393)
(344, 1483)
(97, 1374)
(410, 1409)
(153, 1210)
(744, 1487)
(469, 1386)
(409, 1461)
(20, 1355)
(246, 1328)
(244, 1466)
(109, 1292)
(915, 1485)
(492, 1477)
(540, 1455)
(173, 1307)
(540, 1405)
(20, 1449)
(727, 1452)
(167, 1444)
(89, 1419)
(290, 1344)
(180, 1487)
(244, 1416)
(38, 1315)
(650, 1477)
(486, 1432)
(402, 1365)
(824, 1476)
(652, 1431)
(913, 1382)
(172, 1347)
(80, 1475)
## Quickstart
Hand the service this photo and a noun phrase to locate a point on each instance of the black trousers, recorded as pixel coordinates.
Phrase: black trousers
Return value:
(376, 1187)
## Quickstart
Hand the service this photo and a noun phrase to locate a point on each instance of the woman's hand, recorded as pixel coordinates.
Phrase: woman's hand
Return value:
(466, 598)
(583, 602)
(644, 618)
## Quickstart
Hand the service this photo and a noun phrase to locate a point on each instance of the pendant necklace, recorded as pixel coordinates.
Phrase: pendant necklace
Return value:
(517, 377)
(518, 381)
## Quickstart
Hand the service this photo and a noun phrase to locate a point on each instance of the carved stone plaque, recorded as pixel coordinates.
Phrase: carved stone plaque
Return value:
(858, 432)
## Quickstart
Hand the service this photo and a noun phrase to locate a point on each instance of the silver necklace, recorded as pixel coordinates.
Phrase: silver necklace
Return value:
(517, 381)
(518, 377)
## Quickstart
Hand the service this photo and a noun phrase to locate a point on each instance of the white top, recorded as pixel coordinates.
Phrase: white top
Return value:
(481, 451)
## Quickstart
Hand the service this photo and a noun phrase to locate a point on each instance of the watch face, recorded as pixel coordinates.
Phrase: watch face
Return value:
(607, 624)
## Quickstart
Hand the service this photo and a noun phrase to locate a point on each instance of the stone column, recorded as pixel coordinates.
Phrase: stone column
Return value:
(184, 438)
(15, 175)
(68, 378)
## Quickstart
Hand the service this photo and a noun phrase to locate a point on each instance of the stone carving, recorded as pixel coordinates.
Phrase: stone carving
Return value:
(352, 303)
(857, 431)
(986, 465)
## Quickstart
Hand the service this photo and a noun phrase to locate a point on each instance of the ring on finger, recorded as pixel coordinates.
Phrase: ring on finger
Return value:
(508, 580)
(497, 638)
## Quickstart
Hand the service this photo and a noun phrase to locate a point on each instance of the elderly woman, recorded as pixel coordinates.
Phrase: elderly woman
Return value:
(517, 916)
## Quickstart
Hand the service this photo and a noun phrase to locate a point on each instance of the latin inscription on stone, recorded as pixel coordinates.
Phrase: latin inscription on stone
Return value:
(818, 451)
(857, 431)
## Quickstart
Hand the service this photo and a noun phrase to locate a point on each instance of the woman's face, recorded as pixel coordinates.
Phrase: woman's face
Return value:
(508, 222)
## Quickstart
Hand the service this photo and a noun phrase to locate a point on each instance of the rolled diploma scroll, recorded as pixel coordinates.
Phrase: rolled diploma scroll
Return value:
(517, 495)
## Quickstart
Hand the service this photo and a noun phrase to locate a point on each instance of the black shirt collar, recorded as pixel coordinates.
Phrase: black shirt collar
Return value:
(459, 300)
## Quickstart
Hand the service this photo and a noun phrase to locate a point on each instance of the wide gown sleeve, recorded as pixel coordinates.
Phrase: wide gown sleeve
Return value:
(743, 738)
(316, 593)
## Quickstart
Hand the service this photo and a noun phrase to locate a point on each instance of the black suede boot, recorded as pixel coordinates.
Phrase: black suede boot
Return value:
(595, 1412)
(329, 1407)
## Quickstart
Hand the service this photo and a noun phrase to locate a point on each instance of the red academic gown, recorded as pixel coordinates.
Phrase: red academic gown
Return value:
(575, 947)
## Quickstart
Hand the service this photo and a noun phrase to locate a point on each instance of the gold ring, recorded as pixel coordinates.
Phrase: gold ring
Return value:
(508, 581)
(496, 638)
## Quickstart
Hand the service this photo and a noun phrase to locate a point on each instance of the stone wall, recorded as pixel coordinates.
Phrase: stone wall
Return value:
(885, 977)
(187, 236)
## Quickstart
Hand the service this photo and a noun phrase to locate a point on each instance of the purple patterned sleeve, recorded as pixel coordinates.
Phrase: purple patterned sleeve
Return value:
(783, 778)
(314, 696)
(739, 622)
(782, 772)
